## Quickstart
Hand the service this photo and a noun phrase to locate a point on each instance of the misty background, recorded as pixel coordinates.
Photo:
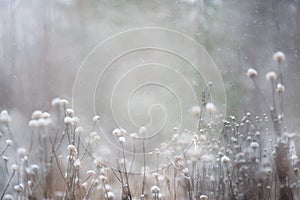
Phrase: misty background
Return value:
(44, 42)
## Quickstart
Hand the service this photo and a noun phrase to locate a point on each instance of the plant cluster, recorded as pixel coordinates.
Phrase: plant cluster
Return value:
(253, 158)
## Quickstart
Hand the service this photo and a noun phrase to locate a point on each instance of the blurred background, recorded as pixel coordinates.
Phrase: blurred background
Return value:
(44, 42)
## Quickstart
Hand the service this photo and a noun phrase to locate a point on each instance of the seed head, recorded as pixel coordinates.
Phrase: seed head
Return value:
(280, 88)
(271, 76)
(122, 139)
(203, 197)
(195, 111)
(64, 102)
(72, 149)
(77, 163)
(96, 118)
(5, 158)
(21, 151)
(69, 112)
(251, 73)
(110, 195)
(103, 178)
(279, 56)
(14, 167)
(8, 197)
(35, 168)
(36, 114)
(143, 131)
(210, 107)
(254, 145)
(68, 120)
(56, 102)
(294, 157)
(4, 117)
(155, 189)
(79, 130)
(46, 115)
(119, 132)
(225, 159)
(90, 172)
(9, 142)
(32, 123)
(134, 135)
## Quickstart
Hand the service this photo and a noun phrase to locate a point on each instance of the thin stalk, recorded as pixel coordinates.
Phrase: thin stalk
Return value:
(4, 150)
(261, 94)
(126, 173)
(133, 157)
(8, 184)
(144, 174)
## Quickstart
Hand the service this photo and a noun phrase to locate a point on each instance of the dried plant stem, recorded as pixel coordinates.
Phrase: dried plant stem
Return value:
(88, 193)
(6, 187)
(273, 94)
(144, 173)
(106, 192)
(261, 94)
(4, 150)
(125, 171)
(133, 157)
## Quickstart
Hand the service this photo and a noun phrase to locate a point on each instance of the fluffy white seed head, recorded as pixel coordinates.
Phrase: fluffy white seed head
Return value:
(8, 197)
(64, 102)
(4, 117)
(111, 195)
(294, 157)
(5, 158)
(69, 112)
(9, 142)
(68, 120)
(93, 134)
(75, 120)
(17, 188)
(96, 118)
(225, 159)
(134, 135)
(203, 197)
(210, 107)
(35, 168)
(79, 130)
(143, 131)
(279, 56)
(280, 88)
(122, 139)
(116, 132)
(41, 122)
(21, 151)
(271, 76)
(46, 115)
(32, 123)
(91, 172)
(119, 132)
(103, 178)
(195, 111)
(36, 114)
(14, 167)
(251, 73)
(72, 149)
(84, 185)
(254, 145)
(77, 163)
(155, 189)
(56, 102)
